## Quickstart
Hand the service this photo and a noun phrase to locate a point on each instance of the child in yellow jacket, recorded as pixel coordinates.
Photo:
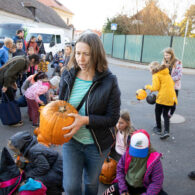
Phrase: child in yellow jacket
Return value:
(166, 97)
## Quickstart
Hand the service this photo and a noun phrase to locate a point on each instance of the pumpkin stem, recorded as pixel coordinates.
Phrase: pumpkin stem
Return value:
(62, 109)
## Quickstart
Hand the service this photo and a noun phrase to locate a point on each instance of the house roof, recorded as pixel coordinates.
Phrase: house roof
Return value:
(43, 13)
(151, 7)
(55, 4)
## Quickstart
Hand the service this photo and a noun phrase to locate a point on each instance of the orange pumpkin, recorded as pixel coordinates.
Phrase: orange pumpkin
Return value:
(141, 94)
(53, 117)
(108, 172)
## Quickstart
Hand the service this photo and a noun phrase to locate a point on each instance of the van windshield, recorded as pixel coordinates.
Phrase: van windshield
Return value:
(47, 38)
(9, 30)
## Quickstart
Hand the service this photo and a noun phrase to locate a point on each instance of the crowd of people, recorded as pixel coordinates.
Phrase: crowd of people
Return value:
(100, 129)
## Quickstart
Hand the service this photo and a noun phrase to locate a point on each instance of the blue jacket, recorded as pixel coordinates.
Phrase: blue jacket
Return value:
(4, 55)
(102, 105)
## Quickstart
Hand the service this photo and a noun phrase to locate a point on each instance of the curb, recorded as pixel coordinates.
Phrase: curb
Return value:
(126, 64)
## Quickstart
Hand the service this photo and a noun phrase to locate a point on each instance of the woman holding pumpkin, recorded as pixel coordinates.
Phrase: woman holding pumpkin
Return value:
(90, 85)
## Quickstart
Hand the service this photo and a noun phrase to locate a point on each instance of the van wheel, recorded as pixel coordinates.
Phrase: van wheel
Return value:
(50, 57)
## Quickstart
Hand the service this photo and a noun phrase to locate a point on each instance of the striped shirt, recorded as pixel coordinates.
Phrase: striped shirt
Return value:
(79, 90)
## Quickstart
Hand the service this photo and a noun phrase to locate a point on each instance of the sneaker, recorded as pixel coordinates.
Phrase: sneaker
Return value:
(165, 135)
(35, 125)
(17, 124)
(191, 175)
(157, 130)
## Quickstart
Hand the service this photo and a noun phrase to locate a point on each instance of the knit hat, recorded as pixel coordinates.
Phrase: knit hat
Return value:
(139, 144)
(55, 81)
(32, 187)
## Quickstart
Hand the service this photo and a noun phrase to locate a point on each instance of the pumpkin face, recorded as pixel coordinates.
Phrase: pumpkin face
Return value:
(108, 172)
(141, 94)
(53, 117)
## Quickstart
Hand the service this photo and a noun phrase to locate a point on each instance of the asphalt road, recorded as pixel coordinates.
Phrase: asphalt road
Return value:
(178, 150)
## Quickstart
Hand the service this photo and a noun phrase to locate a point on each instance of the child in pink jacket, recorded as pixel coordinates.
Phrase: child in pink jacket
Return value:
(32, 96)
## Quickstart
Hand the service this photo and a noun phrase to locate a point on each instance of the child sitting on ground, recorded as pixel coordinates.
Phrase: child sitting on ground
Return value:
(57, 70)
(123, 131)
(139, 171)
(57, 57)
(32, 96)
(44, 164)
(166, 98)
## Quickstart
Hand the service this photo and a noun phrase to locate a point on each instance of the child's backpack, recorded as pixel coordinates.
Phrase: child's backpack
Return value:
(10, 175)
(32, 187)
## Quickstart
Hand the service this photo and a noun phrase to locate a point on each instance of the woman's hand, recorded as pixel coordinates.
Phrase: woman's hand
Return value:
(78, 123)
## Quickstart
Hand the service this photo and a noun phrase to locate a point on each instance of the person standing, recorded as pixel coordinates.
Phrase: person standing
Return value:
(90, 87)
(20, 36)
(166, 97)
(4, 51)
(32, 43)
(40, 45)
(175, 69)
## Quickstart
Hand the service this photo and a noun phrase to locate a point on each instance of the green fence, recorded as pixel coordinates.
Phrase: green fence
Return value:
(147, 48)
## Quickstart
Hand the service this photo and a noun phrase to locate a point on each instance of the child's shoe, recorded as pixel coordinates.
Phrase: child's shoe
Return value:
(165, 135)
(157, 130)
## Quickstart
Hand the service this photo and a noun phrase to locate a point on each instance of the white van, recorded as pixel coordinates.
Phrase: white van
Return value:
(54, 39)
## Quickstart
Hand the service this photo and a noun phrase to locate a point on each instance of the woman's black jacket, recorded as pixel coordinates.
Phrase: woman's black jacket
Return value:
(102, 105)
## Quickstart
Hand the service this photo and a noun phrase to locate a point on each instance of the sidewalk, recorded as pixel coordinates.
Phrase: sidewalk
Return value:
(135, 65)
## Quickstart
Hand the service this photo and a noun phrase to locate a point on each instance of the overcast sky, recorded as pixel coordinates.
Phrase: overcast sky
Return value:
(92, 14)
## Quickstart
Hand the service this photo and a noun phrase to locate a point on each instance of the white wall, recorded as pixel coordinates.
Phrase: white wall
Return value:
(6, 17)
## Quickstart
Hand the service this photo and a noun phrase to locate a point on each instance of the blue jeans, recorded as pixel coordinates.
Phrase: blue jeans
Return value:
(79, 159)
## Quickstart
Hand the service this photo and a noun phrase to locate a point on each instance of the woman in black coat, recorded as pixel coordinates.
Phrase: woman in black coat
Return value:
(89, 79)
(44, 164)
(40, 45)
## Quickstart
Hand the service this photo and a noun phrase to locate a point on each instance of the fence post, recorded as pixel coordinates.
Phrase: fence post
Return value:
(112, 44)
(142, 48)
(171, 42)
(124, 47)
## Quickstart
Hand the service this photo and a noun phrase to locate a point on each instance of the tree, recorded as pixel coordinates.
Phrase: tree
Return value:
(149, 21)
(123, 24)
(190, 17)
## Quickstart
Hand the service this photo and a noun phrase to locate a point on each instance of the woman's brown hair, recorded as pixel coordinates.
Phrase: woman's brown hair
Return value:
(97, 53)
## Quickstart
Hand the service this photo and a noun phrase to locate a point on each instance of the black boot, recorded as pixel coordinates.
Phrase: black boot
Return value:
(165, 135)
(191, 175)
(157, 130)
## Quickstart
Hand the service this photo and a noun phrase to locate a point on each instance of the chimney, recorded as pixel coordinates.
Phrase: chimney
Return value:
(30, 7)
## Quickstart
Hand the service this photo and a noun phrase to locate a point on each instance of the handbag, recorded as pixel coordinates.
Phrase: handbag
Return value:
(10, 112)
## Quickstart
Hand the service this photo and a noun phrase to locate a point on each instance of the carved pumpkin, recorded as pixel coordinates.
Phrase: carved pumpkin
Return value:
(108, 172)
(141, 94)
(53, 117)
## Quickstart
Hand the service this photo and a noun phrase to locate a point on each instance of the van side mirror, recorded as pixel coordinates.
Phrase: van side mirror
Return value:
(52, 44)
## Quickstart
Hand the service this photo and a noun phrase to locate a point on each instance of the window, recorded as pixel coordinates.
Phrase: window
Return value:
(58, 39)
